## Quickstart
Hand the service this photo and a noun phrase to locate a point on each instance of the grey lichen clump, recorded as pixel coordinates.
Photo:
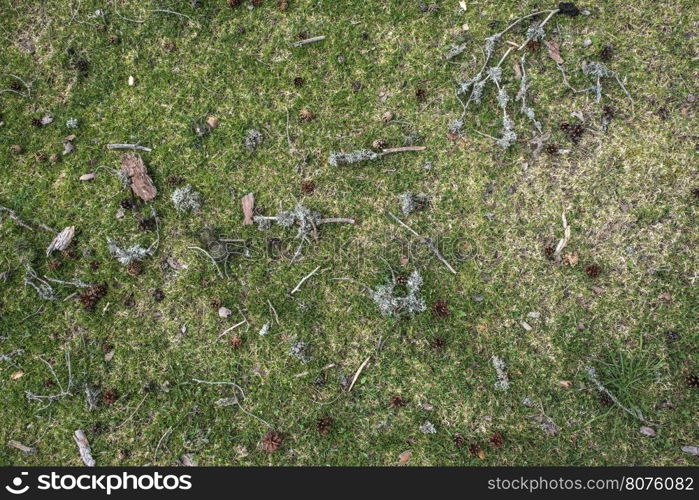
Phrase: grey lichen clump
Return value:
(338, 159)
(302, 216)
(411, 202)
(300, 350)
(126, 256)
(391, 305)
(599, 71)
(503, 382)
(186, 199)
(253, 138)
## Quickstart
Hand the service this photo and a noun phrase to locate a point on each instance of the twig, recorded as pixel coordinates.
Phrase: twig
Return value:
(543, 23)
(29, 92)
(64, 392)
(132, 413)
(303, 280)
(136, 147)
(427, 241)
(403, 149)
(308, 40)
(84, 448)
(235, 398)
(231, 328)
(166, 11)
(274, 311)
(367, 288)
(13, 215)
(358, 372)
(210, 257)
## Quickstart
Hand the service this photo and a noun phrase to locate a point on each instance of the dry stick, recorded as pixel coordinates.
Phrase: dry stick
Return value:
(136, 147)
(166, 11)
(29, 92)
(359, 371)
(402, 149)
(427, 241)
(231, 328)
(308, 40)
(13, 215)
(132, 413)
(210, 257)
(242, 393)
(303, 280)
(274, 311)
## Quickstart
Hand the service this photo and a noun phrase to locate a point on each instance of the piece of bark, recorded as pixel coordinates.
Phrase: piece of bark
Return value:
(554, 52)
(87, 177)
(248, 202)
(27, 450)
(84, 448)
(141, 184)
(61, 241)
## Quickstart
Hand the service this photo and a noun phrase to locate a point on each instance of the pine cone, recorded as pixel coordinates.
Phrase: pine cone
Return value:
(306, 115)
(552, 149)
(605, 400)
(496, 440)
(236, 342)
(475, 450)
(234, 3)
(593, 270)
(16, 149)
(438, 343)
(459, 440)
(307, 187)
(272, 441)
(397, 402)
(36, 122)
(92, 295)
(134, 269)
(606, 53)
(672, 336)
(299, 81)
(324, 425)
(379, 144)
(440, 309)
(692, 380)
(283, 5)
(109, 397)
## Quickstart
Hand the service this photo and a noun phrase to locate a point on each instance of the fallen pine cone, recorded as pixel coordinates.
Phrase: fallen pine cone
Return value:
(236, 342)
(109, 397)
(440, 309)
(496, 440)
(272, 441)
(306, 115)
(134, 269)
(397, 402)
(324, 425)
(92, 295)
(692, 380)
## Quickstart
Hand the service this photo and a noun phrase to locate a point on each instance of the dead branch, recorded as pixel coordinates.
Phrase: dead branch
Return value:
(84, 448)
(358, 372)
(403, 149)
(308, 40)
(136, 147)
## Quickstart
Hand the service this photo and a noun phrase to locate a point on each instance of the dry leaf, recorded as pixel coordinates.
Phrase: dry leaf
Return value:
(481, 454)
(132, 81)
(87, 177)
(518, 70)
(666, 296)
(68, 146)
(554, 52)
(565, 383)
(108, 357)
(462, 4)
(248, 202)
(405, 457)
(212, 121)
(692, 450)
(571, 259)
(27, 450)
(141, 183)
(647, 431)
(187, 461)
(62, 240)
(17, 375)
(481, 328)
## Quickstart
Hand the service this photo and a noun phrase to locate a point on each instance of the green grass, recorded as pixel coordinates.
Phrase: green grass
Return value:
(626, 193)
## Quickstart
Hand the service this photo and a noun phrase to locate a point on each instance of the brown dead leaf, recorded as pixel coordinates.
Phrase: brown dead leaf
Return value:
(141, 184)
(17, 375)
(481, 328)
(518, 70)
(665, 296)
(248, 202)
(62, 240)
(567, 384)
(554, 51)
(405, 457)
(571, 259)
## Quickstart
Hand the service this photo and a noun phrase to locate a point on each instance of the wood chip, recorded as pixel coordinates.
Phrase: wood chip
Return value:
(554, 51)
(84, 448)
(27, 450)
(87, 177)
(61, 241)
(405, 457)
(248, 202)
(567, 384)
(647, 431)
(17, 375)
(141, 184)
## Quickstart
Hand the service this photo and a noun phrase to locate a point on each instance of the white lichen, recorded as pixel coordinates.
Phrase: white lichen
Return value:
(503, 382)
(411, 202)
(253, 138)
(338, 159)
(186, 199)
(390, 304)
(126, 256)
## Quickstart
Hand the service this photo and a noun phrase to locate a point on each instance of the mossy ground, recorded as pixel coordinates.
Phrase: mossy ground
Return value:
(626, 192)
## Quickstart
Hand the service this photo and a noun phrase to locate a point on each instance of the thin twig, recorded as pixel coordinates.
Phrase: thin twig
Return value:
(427, 241)
(303, 280)
(136, 147)
(274, 311)
(358, 372)
(308, 40)
(210, 257)
(402, 149)
(166, 11)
